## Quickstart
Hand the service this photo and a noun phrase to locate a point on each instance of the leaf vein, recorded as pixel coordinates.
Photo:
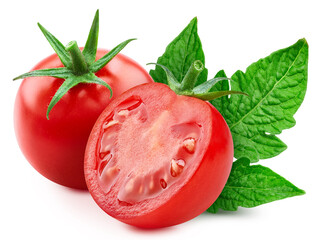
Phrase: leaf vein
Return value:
(269, 92)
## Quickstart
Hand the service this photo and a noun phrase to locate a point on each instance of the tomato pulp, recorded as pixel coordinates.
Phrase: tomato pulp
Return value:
(156, 159)
(56, 147)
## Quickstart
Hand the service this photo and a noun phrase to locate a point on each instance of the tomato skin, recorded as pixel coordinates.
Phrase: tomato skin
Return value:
(55, 147)
(195, 195)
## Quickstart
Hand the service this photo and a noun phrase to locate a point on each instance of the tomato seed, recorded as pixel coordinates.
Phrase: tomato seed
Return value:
(189, 144)
(105, 157)
(141, 189)
(177, 167)
(110, 123)
(130, 186)
(163, 183)
(123, 113)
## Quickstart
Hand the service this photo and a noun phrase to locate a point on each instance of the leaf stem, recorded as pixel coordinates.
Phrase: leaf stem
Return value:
(191, 76)
(79, 64)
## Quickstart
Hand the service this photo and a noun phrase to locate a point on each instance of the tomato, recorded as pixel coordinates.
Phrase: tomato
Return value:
(155, 158)
(55, 147)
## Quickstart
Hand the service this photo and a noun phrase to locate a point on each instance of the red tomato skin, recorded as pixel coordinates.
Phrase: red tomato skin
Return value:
(196, 195)
(56, 147)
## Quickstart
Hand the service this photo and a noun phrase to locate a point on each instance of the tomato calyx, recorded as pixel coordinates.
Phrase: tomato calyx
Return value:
(187, 86)
(80, 66)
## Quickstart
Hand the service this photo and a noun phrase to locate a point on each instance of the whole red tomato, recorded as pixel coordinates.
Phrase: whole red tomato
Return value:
(155, 158)
(59, 101)
(56, 147)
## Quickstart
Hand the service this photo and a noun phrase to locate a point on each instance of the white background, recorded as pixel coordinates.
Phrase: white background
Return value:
(234, 34)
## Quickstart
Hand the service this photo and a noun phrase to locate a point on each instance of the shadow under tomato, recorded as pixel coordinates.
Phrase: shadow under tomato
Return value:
(241, 212)
(151, 230)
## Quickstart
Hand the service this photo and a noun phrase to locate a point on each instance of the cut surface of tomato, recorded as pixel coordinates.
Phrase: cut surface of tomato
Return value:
(157, 159)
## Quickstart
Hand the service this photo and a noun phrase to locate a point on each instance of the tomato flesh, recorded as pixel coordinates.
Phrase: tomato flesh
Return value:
(156, 159)
(158, 166)
(56, 147)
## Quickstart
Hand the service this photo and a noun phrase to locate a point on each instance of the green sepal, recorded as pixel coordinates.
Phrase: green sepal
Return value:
(100, 63)
(201, 91)
(171, 80)
(58, 47)
(51, 72)
(92, 78)
(66, 85)
(213, 95)
(72, 81)
(90, 48)
(80, 66)
(207, 86)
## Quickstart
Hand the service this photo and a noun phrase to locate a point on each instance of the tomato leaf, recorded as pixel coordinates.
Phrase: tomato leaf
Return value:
(277, 86)
(252, 185)
(180, 54)
(90, 48)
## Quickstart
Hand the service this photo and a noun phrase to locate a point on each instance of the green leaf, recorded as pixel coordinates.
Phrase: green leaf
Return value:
(90, 48)
(250, 186)
(51, 72)
(277, 86)
(180, 54)
(58, 47)
(100, 63)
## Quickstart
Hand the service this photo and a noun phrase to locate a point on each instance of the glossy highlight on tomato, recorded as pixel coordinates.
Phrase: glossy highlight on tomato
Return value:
(156, 159)
(56, 147)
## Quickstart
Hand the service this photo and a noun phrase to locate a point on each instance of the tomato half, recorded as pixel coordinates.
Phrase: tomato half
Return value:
(157, 159)
(56, 147)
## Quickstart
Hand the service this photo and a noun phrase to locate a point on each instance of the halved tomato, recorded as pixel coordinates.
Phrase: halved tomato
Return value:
(157, 159)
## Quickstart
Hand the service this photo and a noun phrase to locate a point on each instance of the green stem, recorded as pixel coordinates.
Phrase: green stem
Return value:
(191, 76)
(78, 60)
